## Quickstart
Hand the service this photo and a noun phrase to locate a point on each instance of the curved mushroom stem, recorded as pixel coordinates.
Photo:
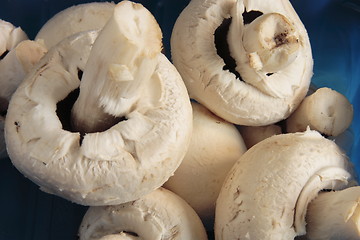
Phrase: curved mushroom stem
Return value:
(326, 111)
(334, 215)
(122, 58)
(271, 42)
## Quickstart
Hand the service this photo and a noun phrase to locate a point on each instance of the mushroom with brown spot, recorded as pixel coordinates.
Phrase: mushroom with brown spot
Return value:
(137, 123)
(249, 62)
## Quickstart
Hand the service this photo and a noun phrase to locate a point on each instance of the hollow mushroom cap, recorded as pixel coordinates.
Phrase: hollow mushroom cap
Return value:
(266, 194)
(120, 164)
(214, 148)
(260, 97)
(78, 18)
(160, 214)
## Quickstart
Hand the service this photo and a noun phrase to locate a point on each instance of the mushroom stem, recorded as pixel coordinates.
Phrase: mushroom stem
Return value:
(326, 111)
(271, 42)
(122, 58)
(334, 215)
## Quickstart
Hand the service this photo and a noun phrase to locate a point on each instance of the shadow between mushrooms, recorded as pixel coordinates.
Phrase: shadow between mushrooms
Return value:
(127, 79)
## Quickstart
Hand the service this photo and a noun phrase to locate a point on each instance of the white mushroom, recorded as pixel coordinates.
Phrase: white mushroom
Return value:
(78, 18)
(214, 148)
(17, 56)
(266, 194)
(254, 134)
(160, 214)
(249, 62)
(10, 36)
(326, 111)
(124, 161)
(16, 64)
(334, 215)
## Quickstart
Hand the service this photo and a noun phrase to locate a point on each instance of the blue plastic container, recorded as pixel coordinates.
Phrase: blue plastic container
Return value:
(334, 30)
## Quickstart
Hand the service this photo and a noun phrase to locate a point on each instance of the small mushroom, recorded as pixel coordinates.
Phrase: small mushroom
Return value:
(266, 194)
(249, 62)
(78, 18)
(326, 111)
(110, 163)
(214, 148)
(254, 134)
(160, 214)
(334, 215)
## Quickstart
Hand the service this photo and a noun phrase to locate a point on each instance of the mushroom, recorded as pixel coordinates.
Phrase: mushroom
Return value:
(266, 193)
(334, 215)
(17, 56)
(123, 161)
(326, 111)
(78, 18)
(214, 148)
(249, 62)
(160, 214)
(254, 134)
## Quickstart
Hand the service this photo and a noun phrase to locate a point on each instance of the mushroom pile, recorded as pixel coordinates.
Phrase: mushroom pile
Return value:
(224, 140)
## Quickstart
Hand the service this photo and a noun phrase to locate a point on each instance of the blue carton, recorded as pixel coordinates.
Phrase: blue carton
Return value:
(334, 30)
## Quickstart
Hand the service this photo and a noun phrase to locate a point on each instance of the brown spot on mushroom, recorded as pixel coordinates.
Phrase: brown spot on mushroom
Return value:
(17, 126)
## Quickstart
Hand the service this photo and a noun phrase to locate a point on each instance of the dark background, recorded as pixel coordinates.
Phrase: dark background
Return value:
(334, 29)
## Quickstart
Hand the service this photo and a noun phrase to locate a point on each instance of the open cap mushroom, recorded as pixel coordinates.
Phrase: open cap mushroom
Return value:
(266, 194)
(78, 18)
(160, 214)
(334, 215)
(123, 161)
(249, 62)
(214, 148)
(326, 111)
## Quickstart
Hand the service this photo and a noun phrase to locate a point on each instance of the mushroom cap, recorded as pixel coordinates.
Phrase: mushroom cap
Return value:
(214, 148)
(78, 18)
(265, 195)
(194, 53)
(160, 214)
(326, 111)
(130, 159)
(10, 36)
